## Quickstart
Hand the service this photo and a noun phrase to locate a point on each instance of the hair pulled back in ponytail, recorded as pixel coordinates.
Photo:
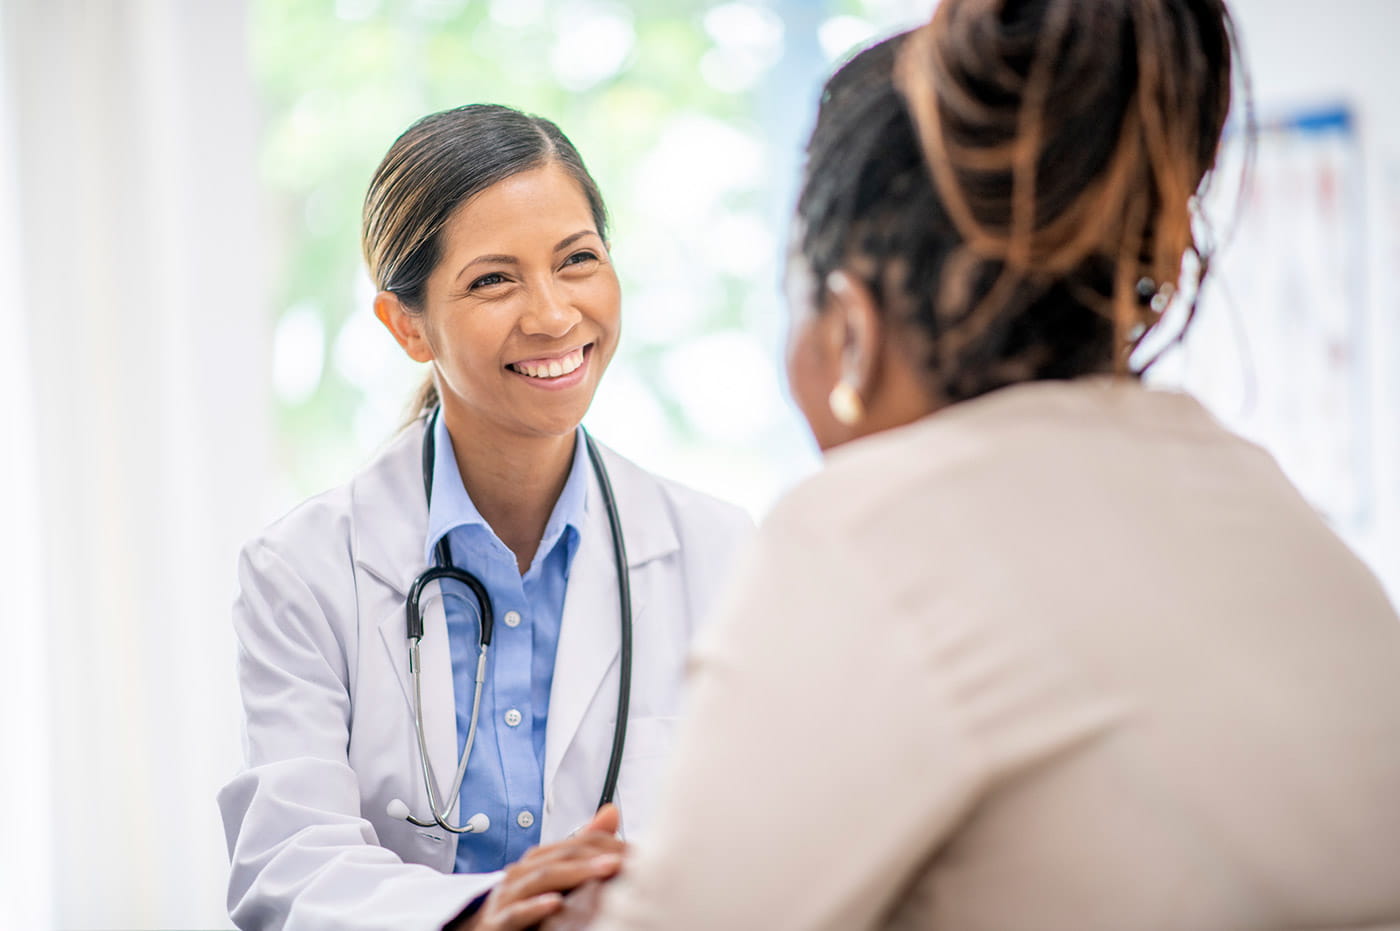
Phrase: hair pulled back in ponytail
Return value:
(436, 165)
(1012, 175)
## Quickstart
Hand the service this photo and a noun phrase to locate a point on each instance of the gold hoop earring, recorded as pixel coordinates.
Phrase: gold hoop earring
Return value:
(845, 403)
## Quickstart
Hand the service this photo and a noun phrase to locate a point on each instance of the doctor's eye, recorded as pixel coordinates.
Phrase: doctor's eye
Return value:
(485, 281)
(580, 257)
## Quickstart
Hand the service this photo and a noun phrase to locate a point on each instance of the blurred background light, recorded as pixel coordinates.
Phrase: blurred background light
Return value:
(842, 35)
(592, 43)
(726, 384)
(696, 163)
(518, 13)
(748, 42)
(353, 11)
(298, 350)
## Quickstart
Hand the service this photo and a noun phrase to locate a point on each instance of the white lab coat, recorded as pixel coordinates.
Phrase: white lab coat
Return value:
(323, 667)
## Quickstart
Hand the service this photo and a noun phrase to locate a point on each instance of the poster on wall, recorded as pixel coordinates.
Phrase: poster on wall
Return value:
(1278, 349)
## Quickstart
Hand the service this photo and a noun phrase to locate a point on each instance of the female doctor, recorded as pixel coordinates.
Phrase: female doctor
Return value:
(434, 657)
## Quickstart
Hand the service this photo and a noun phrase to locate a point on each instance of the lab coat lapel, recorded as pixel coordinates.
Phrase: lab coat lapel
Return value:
(390, 521)
(585, 666)
(589, 636)
(439, 700)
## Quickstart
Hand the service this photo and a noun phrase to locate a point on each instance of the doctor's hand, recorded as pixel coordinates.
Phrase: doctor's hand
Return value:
(532, 888)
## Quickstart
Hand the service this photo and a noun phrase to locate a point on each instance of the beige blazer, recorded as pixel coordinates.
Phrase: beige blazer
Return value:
(1069, 656)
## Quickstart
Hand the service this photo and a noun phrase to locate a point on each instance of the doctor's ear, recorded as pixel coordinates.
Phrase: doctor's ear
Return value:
(406, 326)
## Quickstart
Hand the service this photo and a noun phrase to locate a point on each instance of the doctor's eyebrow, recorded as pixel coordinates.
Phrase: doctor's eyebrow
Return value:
(561, 245)
(568, 241)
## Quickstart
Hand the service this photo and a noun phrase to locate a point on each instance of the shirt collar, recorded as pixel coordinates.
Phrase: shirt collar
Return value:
(452, 507)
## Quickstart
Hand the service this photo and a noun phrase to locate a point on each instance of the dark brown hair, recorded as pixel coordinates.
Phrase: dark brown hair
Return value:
(1016, 178)
(439, 163)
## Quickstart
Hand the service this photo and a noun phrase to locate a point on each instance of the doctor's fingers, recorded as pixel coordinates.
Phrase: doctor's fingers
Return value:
(523, 882)
(516, 916)
(575, 847)
(525, 897)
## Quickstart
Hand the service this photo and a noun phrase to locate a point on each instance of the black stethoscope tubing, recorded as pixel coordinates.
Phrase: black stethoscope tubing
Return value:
(443, 569)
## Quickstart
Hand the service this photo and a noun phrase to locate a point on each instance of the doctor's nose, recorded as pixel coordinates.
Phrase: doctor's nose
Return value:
(550, 314)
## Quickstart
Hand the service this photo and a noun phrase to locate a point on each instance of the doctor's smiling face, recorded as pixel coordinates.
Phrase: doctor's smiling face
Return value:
(521, 313)
(487, 240)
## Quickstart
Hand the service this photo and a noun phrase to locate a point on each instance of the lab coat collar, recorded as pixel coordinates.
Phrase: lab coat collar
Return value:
(452, 505)
(390, 514)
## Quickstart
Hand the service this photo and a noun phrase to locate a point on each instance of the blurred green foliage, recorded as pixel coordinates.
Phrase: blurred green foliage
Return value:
(340, 79)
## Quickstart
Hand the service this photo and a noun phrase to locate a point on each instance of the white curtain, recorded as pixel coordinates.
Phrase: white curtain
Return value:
(25, 885)
(134, 372)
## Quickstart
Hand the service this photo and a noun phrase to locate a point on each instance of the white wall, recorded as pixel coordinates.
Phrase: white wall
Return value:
(1304, 52)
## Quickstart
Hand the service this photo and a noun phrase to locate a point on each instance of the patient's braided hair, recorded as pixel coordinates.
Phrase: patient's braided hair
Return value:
(1017, 178)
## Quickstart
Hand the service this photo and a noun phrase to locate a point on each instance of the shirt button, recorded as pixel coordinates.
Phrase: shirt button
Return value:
(525, 819)
(513, 719)
(512, 618)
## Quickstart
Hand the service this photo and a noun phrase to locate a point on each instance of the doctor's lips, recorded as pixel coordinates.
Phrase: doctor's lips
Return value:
(552, 367)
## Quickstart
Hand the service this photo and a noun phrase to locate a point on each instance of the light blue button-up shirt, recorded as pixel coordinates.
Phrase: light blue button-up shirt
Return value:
(505, 777)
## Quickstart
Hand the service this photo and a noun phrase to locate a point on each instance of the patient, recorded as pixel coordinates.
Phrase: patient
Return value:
(1040, 648)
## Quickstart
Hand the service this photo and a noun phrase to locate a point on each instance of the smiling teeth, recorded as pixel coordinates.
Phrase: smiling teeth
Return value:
(555, 368)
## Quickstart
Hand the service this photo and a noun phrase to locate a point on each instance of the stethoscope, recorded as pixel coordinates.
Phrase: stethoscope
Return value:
(443, 569)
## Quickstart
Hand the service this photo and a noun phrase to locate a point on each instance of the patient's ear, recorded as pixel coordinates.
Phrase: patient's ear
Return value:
(878, 361)
(406, 326)
(860, 330)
